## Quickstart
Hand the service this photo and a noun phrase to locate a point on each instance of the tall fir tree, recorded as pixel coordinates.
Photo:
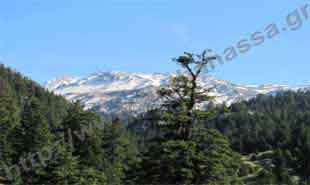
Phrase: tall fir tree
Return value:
(83, 131)
(120, 152)
(183, 94)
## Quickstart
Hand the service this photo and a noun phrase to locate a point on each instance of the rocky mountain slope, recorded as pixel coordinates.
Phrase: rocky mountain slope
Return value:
(120, 92)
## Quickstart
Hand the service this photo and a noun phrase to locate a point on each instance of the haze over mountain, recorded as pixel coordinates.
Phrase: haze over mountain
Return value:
(121, 92)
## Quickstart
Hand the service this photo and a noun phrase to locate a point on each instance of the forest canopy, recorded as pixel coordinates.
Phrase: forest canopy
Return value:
(265, 140)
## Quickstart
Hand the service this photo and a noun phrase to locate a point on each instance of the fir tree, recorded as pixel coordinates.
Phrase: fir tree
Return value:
(206, 159)
(83, 130)
(120, 152)
(183, 94)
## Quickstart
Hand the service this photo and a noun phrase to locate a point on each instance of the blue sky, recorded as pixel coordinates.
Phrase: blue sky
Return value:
(48, 38)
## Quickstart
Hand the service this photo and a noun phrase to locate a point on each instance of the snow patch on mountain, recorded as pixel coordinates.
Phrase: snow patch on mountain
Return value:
(121, 92)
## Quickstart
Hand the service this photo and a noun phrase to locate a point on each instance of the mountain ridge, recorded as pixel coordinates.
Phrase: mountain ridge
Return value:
(116, 92)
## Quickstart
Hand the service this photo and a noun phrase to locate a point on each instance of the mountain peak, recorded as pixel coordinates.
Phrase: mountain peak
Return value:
(59, 82)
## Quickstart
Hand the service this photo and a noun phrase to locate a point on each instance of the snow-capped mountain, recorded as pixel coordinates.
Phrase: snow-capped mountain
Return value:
(120, 92)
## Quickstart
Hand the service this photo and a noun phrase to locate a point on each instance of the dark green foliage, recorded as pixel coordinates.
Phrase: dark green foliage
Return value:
(277, 123)
(120, 153)
(23, 88)
(34, 132)
(262, 141)
(271, 133)
(66, 169)
(9, 120)
(34, 121)
(206, 159)
(181, 155)
(83, 131)
(31, 136)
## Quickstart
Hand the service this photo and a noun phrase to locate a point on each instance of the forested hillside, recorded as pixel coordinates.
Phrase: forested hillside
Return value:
(278, 125)
(21, 89)
(269, 135)
(46, 140)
